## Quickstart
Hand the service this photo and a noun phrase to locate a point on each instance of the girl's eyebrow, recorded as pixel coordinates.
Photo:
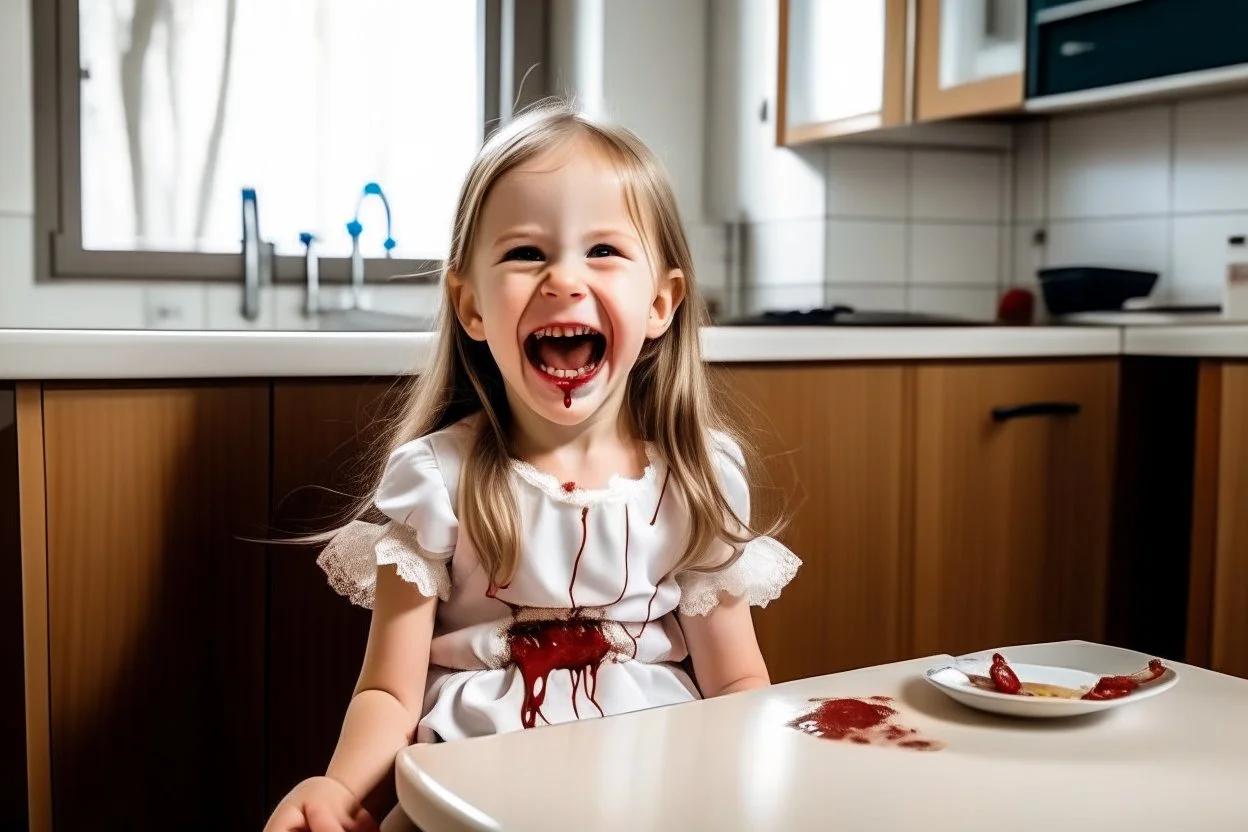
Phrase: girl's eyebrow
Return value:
(613, 231)
(512, 234)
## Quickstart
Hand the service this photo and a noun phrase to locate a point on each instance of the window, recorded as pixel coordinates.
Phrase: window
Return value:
(155, 115)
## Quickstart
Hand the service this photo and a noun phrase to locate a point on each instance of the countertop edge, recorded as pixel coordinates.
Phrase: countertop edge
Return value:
(69, 354)
(1229, 341)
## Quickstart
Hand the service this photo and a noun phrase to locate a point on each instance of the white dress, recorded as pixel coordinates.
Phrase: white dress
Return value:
(588, 625)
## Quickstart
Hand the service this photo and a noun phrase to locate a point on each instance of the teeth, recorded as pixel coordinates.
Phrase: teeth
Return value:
(564, 331)
(559, 372)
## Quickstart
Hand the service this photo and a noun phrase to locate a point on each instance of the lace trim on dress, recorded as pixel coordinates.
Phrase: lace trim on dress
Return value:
(764, 567)
(619, 489)
(351, 559)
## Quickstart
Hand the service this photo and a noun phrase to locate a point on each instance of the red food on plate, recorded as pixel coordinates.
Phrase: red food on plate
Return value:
(1003, 676)
(1116, 687)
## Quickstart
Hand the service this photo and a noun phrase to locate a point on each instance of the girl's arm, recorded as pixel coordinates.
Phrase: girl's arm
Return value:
(724, 648)
(387, 703)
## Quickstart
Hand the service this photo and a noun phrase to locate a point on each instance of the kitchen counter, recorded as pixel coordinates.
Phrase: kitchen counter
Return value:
(1200, 341)
(46, 354)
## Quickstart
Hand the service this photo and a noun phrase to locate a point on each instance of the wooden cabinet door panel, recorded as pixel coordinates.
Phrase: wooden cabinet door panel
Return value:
(12, 674)
(155, 607)
(316, 637)
(1230, 577)
(835, 448)
(1012, 518)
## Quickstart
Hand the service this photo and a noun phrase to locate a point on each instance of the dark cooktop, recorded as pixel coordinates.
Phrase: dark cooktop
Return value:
(848, 316)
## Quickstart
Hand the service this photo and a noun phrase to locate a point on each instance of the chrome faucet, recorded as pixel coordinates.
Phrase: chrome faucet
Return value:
(312, 298)
(257, 257)
(355, 229)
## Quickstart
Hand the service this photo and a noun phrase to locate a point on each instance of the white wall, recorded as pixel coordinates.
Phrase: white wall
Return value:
(1153, 187)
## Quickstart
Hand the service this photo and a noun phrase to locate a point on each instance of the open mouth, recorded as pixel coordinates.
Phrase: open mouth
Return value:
(566, 353)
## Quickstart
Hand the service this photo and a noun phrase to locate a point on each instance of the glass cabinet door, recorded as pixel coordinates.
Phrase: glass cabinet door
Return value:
(841, 67)
(971, 56)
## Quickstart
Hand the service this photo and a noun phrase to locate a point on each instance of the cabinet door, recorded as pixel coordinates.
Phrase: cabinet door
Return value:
(13, 808)
(834, 449)
(321, 431)
(970, 57)
(1230, 573)
(1012, 511)
(155, 606)
(842, 68)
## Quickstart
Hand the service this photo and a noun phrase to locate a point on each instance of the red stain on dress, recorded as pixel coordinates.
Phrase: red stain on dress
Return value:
(576, 644)
(540, 647)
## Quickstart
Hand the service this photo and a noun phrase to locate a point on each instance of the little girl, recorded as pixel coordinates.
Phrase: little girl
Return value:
(563, 528)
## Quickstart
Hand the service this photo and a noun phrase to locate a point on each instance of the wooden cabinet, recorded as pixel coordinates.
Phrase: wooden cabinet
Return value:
(969, 57)
(834, 442)
(1012, 507)
(154, 619)
(1218, 589)
(843, 68)
(168, 661)
(322, 432)
(852, 69)
(12, 682)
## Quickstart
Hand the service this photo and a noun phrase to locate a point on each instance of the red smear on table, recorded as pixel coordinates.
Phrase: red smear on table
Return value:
(862, 722)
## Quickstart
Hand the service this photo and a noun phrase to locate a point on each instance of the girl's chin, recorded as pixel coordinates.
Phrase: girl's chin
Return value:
(563, 403)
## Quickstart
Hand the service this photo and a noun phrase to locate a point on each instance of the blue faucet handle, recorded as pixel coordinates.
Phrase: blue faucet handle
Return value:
(389, 244)
(354, 228)
(306, 237)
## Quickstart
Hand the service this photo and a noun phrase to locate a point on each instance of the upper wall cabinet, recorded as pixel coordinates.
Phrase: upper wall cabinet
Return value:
(970, 57)
(850, 67)
(843, 68)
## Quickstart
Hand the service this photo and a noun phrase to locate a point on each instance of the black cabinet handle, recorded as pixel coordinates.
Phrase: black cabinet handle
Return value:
(1020, 411)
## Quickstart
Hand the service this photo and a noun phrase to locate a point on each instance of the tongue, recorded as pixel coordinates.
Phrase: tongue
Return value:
(565, 353)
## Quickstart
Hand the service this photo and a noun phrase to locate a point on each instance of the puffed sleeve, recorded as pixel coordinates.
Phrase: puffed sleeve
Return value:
(761, 569)
(419, 539)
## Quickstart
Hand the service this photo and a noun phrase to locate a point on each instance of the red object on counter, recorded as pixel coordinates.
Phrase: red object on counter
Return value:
(1017, 307)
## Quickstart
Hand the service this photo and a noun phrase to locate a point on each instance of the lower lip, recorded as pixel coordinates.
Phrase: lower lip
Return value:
(567, 385)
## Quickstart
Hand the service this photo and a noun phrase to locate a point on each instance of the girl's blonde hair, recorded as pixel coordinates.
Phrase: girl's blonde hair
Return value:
(668, 397)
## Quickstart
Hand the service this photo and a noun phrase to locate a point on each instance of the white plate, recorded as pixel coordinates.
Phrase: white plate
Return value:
(952, 680)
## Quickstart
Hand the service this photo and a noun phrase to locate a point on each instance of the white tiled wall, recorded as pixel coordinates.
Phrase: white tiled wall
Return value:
(1156, 187)
(891, 228)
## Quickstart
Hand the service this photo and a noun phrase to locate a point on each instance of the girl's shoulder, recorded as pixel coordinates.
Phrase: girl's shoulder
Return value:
(445, 447)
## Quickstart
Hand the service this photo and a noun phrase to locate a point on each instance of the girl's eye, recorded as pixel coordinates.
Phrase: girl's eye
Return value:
(604, 250)
(531, 254)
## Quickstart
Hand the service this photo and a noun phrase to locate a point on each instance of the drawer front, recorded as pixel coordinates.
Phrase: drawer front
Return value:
(1133, 42)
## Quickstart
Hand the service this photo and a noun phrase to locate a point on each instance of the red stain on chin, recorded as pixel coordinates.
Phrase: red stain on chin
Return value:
(861, 722)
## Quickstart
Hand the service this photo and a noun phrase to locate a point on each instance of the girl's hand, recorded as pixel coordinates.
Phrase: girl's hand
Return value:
(320, 804)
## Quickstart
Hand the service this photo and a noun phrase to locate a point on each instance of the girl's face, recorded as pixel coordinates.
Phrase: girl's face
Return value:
(560, 286)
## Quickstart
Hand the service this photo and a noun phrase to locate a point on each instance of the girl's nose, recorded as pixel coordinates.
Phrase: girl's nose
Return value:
(562, 281)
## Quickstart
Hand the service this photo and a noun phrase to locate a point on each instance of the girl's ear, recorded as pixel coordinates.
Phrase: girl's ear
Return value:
(464, 300)
(667, 298)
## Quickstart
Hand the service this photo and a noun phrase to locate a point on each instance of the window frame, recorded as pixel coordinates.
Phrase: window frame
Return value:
(512, 49)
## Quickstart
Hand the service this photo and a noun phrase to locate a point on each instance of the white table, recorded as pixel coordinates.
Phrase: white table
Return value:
(1175, 761)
